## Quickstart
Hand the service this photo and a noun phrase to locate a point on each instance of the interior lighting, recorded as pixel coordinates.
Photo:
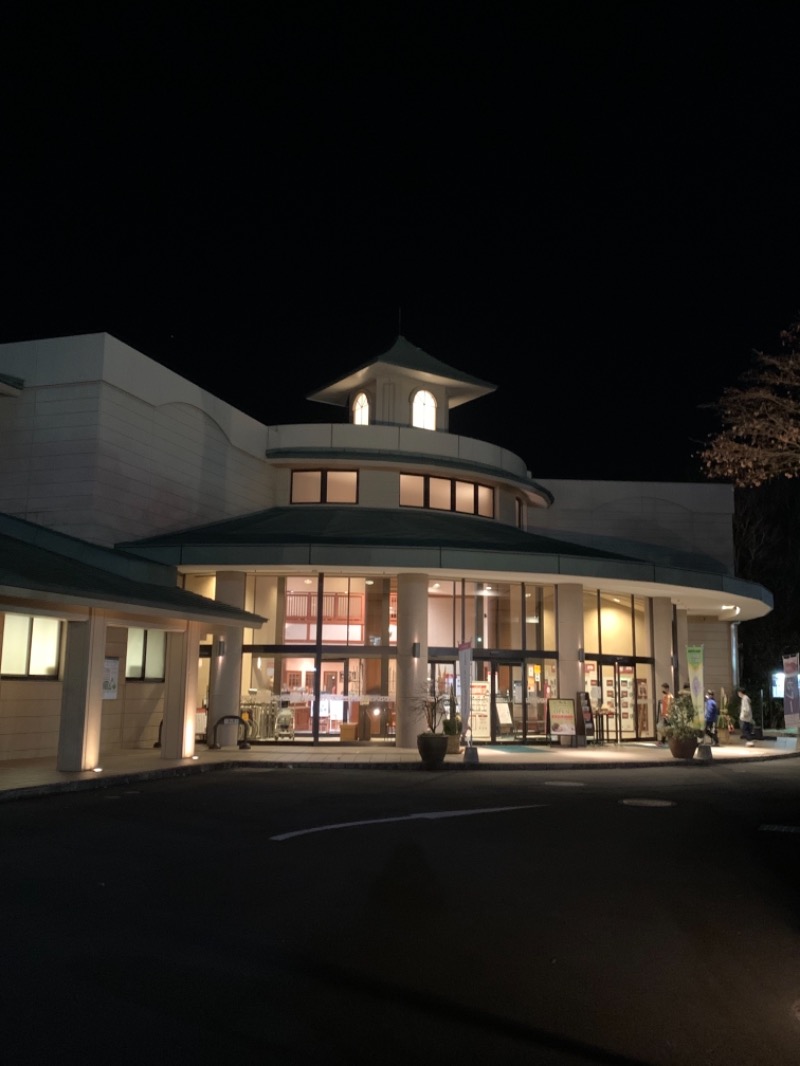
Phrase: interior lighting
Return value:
(98, 769)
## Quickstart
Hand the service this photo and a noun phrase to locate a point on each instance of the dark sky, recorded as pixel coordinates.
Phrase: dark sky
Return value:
(593, 206)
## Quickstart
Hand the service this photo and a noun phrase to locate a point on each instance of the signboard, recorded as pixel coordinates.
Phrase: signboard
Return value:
(480, 717)
(562, 717)
(110, 679)
(791, 695)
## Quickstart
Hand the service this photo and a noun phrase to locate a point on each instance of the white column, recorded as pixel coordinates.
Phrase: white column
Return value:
(569, 616)
(663, 651)
(180, 693)
(225, 681)
(412, 662)
(82, 696)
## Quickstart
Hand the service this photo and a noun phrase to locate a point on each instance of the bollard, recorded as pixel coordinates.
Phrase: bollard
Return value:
(703, 753)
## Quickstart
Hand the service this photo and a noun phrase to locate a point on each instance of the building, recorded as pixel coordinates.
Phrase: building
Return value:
(337, 571)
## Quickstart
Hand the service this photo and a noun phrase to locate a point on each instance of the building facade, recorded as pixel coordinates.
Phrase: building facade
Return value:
(365, 563)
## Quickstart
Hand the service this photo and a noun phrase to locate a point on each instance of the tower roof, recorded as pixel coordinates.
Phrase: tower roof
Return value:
(461, 387)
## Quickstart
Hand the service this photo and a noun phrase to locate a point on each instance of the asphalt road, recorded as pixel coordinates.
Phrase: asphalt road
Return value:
(285, 916)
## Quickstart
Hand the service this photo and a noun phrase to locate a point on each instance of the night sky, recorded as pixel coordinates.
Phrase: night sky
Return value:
(593, 206)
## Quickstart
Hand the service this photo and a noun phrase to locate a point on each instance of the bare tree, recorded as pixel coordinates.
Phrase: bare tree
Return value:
(759, 438)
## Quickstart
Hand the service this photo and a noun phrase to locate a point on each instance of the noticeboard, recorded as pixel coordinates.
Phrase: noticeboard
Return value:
(561, 714)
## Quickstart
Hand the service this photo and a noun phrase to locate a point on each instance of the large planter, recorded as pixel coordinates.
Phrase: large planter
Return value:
(453, 743)
(432, 748)
(682, 747)
(724, 736)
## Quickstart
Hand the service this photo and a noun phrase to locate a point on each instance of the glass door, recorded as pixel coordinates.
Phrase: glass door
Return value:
(624, 703)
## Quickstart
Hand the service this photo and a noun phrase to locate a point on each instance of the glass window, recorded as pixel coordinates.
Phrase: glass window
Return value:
(306, 486)
(537, 618)
(443, 623)
(591, 624)
(616, 624)
(324, 486)
(45, 646)
(641, 623)
(502, 615)
(485, 501)
(146, 655)
(341, 486)
(423, 414)
(465, 497)
(443, 494)
(361, 410)
(31, 646)
(412, 490)
(439, 493)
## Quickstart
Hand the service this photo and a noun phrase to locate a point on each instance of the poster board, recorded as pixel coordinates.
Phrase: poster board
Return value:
(504, 719)
(561, 715)
(480, 725)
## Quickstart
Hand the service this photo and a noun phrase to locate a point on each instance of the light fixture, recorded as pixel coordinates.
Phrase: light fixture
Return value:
(369, 581)
(98, 769)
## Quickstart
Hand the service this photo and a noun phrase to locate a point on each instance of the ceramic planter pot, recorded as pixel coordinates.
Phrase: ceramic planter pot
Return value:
(682, 747)
(432, 748)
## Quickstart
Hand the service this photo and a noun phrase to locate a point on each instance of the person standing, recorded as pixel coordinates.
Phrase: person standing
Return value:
(664, 707)
(712, 713)
(746, 717)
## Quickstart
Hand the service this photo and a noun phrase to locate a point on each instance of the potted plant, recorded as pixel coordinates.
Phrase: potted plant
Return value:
(451, 724)
(432, 744)
(681, 731)
(725, 722)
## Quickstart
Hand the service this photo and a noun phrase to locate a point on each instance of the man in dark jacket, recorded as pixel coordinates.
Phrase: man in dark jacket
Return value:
(712, 713)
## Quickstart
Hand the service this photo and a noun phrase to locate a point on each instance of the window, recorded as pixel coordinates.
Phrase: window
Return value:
(324, 486)
(361, 410)
(31, 646)
(445, 494)
(423, 410)
(146, 656)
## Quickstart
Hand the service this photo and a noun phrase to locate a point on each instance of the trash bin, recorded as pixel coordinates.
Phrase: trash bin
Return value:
(228, 733)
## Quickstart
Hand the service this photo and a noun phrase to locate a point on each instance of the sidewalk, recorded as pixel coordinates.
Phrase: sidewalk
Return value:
(36, 777)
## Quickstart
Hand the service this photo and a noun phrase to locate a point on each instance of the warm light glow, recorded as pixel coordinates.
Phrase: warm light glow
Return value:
(98, 769)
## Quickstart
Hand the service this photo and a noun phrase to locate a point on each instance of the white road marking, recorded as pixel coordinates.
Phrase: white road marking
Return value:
(647, 803)
(430, 815)
(779, 828)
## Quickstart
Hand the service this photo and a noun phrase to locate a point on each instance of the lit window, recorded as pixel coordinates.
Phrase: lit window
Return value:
(423, 414)
(146, 655)
(31, 646)
(361, 410)
(444, 494)
(324, 486)
(412, 490)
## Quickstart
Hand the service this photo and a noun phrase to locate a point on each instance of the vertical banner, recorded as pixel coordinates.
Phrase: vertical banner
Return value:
(694, 659)
(791, 696)
(465, 679)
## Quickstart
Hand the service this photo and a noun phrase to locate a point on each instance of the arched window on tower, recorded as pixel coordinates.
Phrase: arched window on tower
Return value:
(361, 410)
(423, 410)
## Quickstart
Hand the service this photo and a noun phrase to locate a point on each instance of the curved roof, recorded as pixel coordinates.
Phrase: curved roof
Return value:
(368, 539)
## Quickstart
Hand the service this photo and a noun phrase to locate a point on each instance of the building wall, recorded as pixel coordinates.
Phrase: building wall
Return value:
(686, 525)
(30, 712)
(716, 640)
(126, 449)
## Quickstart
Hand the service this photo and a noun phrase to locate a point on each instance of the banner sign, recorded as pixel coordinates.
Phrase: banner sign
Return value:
(694, 659)
(465, 681)
(791, 695)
